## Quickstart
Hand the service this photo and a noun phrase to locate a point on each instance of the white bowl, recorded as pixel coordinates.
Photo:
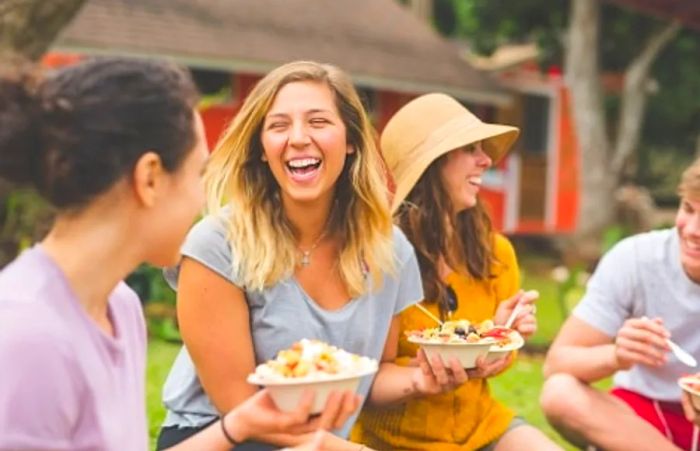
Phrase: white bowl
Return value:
(286, 393)
(465, 353)
(496, 352)
(686, 384)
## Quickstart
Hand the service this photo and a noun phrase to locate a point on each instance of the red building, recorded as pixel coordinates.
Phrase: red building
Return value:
(392, 55)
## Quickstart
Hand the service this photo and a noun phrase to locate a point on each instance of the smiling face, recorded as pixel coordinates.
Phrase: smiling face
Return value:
(688, 225)
(304, 142)
(461, 174)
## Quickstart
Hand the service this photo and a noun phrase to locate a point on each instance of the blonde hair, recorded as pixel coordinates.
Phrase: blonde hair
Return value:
(690, 181)
(260, 235)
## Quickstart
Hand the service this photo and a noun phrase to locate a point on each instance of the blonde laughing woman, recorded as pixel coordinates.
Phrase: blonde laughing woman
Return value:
(298, 243)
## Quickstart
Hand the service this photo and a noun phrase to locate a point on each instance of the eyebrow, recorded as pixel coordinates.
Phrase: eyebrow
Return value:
(307, 112)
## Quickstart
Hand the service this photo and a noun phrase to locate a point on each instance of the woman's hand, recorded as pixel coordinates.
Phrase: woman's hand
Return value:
(258, 415)
(485, 369)
(434, 377)
(641, 341)
(525, 322)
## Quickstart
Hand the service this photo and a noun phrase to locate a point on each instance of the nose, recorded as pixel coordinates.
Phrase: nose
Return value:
(482, 158)
(298, 136)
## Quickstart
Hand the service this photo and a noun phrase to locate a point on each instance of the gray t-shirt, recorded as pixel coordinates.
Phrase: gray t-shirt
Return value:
(284, 313)
(642, 276)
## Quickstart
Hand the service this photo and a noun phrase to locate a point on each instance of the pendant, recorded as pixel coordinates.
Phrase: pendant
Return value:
(305, 260)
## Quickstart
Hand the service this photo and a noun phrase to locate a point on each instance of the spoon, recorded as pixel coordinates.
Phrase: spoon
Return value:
(682, 354)
(427, 312)
(513, 315)
(534, 294)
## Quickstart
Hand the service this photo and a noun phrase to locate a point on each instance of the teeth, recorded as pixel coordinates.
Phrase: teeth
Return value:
(475, 180)
(303, 162)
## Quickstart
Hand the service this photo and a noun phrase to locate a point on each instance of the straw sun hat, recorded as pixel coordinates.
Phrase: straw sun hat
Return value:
(427, 128)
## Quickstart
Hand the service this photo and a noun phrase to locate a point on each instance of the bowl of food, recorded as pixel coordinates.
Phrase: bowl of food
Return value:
(311, 365)
(691, 385)
(507, 341)
(459, 339)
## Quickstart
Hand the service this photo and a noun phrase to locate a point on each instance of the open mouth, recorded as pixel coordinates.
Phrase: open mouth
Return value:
(474, 181)
(303, 168)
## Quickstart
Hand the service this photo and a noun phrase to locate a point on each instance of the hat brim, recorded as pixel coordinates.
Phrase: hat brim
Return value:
(497, 140)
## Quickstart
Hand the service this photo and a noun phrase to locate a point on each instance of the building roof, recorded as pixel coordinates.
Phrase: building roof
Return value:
(686, 12)
(381, 43)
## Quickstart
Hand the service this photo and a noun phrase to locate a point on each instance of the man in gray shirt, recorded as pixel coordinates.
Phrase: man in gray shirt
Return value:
(644, 291)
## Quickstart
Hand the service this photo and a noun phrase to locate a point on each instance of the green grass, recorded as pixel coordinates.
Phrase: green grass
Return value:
(161, 355)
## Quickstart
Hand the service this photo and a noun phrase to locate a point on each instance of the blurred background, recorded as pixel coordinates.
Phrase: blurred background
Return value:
(604, 91)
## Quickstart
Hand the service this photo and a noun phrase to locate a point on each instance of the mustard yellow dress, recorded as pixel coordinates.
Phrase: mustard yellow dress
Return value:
(466, 418)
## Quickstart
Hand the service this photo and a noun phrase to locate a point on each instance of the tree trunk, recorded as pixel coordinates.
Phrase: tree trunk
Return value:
(602, 164)
(634, 98)
(28, 27)
(583, 77)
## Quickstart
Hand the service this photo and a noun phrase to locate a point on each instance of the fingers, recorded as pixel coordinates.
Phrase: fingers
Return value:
(526, 322)
(438, 371)
(485, 368)
(641, 340)
(636, 352)
(514, 300)
(339, 407)
(297, 421)
(459, 375)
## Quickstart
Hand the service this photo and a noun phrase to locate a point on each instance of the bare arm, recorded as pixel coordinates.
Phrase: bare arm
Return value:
(582, 351)
(589, 355)
(214, 322)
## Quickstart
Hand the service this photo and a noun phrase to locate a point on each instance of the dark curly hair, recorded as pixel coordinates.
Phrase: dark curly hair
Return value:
(75, 133)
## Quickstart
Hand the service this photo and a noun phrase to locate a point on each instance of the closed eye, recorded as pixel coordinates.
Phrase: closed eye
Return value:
(319, 121)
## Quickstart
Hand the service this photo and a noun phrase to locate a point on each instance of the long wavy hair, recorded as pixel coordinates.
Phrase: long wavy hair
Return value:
(260, 234)
(463, 240)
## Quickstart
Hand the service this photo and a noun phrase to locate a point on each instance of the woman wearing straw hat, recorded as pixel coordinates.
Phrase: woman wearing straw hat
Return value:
(438, 151)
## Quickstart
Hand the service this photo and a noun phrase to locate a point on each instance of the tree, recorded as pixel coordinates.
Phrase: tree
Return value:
(603, 159)
(27, 29)
(589, 43)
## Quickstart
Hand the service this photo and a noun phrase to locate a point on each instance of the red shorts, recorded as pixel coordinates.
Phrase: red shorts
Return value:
(668, 419)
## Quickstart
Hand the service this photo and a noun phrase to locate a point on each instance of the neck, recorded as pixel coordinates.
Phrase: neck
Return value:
(310, 221)
(95, 252)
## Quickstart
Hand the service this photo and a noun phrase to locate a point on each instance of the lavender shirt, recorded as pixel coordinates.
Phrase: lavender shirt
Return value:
(64, 384)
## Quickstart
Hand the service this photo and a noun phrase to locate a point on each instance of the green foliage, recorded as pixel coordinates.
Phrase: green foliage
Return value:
(159, 300)
(673, 113)
(487, 24)
(24, 218)
(149, 283)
